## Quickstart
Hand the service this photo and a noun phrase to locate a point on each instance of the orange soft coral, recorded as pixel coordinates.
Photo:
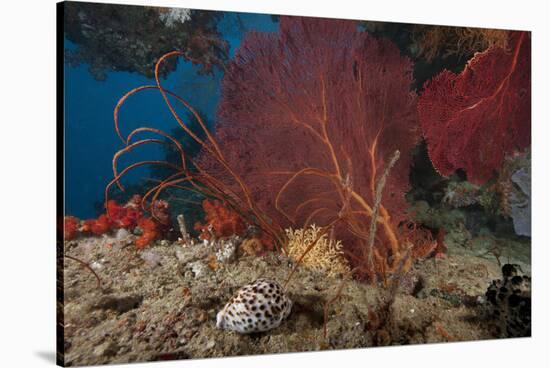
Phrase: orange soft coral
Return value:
(116, 217)
(220, 221)
(123, 216)
(99, 226)
(127, 217)
(70, 227)
(151, 232)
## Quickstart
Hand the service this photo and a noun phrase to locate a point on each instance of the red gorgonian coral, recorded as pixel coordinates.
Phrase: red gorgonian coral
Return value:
(308, 121)
(472, 120)
(309, 117)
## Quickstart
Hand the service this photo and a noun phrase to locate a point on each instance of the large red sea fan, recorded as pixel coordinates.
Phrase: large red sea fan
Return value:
(310, 116)
(472, 120)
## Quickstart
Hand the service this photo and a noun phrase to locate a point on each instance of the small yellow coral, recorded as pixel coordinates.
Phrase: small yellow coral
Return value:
(326, 256)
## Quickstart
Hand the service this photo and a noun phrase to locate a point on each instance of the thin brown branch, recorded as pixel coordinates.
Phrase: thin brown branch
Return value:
(88, 267)
(378, 198)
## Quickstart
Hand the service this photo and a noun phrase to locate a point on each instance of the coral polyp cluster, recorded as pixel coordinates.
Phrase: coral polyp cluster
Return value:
(129, 38)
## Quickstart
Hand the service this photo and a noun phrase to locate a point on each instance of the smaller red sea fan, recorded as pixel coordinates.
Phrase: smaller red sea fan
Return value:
(472, 120)
(70, 227)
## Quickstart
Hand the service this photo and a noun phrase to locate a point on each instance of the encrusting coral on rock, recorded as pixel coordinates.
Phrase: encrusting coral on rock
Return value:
(461, 194)
(130, 38)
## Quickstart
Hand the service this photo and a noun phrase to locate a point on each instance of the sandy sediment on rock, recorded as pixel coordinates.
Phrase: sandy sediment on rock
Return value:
(161, 303)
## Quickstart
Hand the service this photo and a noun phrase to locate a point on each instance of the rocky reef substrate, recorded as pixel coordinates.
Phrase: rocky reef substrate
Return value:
(161, 303)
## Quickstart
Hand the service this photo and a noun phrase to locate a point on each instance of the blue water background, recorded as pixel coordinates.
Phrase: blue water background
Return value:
(90, 138)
